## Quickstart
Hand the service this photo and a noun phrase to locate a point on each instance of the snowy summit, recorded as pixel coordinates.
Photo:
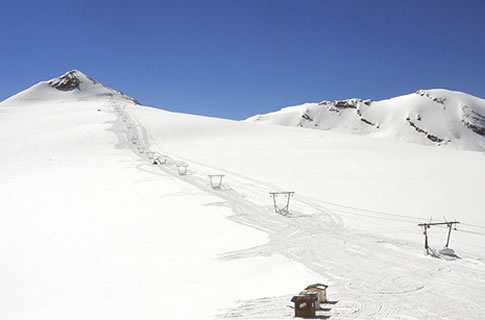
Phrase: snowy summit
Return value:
(71, 85)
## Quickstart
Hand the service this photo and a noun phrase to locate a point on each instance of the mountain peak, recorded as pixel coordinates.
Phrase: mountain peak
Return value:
(72, 80)
(68, 81)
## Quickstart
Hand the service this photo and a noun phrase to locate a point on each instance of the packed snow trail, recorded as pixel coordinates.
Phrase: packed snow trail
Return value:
(371, 277)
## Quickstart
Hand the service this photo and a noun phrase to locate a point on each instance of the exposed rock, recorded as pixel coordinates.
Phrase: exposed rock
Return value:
(476, 129)
(473, 120)
(439, 100)
(428, 135)
(344, 104)
(426, 94)
(306, 117)
(418, 129)
(68, 81)
(359, 113)
(367, 121)
(434, 138)
(338, 105)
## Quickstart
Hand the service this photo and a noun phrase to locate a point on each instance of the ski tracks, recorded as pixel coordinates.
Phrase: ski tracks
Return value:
(371, 280)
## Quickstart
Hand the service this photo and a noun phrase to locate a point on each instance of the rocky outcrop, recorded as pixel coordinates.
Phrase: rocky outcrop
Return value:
(424, 93)
(68, 81)
(431, 137)
(473, 120)
(367, 122)
(307, 117)
(345, 104)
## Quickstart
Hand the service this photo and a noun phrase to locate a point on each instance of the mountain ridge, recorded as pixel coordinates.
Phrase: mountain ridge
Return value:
(430, 117)
(436, 117)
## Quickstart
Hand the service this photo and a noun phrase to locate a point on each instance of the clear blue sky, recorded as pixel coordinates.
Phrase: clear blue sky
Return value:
(234, 59)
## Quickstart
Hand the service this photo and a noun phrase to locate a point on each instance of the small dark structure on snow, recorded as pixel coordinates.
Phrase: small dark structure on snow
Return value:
(308, 301)
(305, 305)
(321, 289)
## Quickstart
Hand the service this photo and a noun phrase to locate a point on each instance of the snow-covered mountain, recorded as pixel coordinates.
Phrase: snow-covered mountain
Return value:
(91, 228)
(71, 86)
(430, 117)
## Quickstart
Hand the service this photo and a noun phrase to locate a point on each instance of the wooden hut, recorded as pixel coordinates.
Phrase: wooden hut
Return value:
(316, 294)
(305, 306)
(321, 289)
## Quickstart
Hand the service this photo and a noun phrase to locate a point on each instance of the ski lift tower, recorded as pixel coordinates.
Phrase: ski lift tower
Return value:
(216, 180)
(426, 226)
(181, 168)
(283, 206)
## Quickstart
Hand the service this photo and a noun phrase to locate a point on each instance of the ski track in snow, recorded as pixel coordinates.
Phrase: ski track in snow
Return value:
(383, 279)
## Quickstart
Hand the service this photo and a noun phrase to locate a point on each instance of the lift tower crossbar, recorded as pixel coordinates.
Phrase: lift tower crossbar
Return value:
(426, 226)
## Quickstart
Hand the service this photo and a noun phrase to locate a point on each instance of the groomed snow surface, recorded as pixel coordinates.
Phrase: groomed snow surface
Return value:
(91, 229)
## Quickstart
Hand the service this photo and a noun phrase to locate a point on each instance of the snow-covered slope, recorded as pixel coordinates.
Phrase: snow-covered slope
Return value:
(90, 228)
(72, 86)
(430, 117)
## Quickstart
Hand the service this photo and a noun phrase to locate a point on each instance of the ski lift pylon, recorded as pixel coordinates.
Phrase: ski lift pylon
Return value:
(282, 208)
(181, 168)
(216, 180)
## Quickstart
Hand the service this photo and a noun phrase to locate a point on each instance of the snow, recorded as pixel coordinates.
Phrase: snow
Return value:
(91, 229)
(43, 92)
(430, 117)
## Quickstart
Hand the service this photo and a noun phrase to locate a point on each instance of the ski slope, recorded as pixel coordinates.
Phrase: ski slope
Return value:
(92, 229)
